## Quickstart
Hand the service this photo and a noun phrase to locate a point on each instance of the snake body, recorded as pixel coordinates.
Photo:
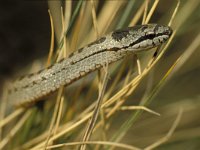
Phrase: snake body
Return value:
(107, 49)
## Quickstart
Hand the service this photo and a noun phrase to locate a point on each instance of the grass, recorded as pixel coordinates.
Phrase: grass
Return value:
(116, 97)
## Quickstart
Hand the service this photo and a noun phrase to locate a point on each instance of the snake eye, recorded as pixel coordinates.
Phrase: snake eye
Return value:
(150, 36)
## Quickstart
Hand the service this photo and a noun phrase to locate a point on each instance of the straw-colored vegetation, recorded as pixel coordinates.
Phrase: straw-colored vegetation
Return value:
(121, 106)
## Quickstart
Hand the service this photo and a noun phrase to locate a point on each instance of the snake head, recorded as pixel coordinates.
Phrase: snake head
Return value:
(142, 37)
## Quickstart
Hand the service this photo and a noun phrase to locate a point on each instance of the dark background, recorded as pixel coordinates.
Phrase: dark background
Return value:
(24, 34)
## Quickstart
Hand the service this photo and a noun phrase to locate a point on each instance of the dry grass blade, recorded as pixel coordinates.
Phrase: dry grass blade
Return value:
(60, 110)
(151, 11)
(174, 13)
(54, 118)
(67, 14)
(54, 7)
(139, 108)
(52, 41)
(77, 28)
(14, 130)
(12, 116)
(64, 131)
(3, 107)
(169, 134)
(96, 111)
(105, 18)
(145, 11)
(138, 14)
(105, 143)
(94, 16)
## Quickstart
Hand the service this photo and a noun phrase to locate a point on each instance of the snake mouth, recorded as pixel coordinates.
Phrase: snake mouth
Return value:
(168, 32)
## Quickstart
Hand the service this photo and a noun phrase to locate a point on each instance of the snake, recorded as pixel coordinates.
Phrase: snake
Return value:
(109, 48)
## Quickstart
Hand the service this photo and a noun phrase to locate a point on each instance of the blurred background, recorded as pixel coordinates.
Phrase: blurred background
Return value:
(24, 33)
(25, 37)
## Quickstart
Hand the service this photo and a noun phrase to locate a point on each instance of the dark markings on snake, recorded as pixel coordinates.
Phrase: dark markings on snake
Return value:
(120, 34)
(99, 41)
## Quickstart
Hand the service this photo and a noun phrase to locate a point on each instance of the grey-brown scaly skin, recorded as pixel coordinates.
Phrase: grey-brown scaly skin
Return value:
(105, 50)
